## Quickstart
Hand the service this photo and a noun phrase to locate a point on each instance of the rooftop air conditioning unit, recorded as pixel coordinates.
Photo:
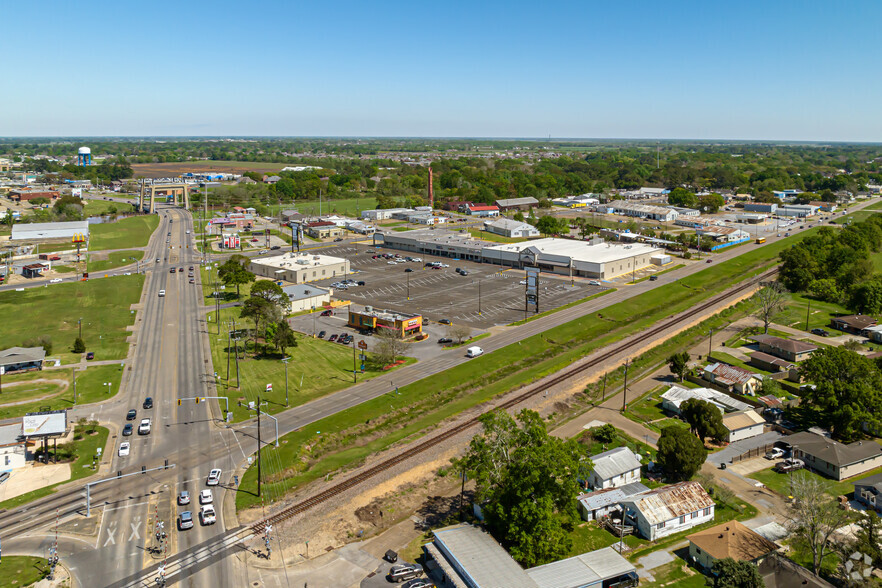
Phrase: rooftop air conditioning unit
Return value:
(368, 308)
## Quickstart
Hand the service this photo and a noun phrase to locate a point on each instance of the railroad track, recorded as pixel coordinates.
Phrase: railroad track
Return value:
(303, 506)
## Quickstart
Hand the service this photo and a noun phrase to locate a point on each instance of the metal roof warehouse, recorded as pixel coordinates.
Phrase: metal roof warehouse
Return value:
(37, 231)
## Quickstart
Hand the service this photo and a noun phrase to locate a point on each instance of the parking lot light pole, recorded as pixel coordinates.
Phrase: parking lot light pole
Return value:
(479, 297)
(285, 360)
(408, 285)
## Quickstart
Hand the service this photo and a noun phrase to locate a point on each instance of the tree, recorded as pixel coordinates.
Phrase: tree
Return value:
(526, 478)
(547, 225)
(284, 336)
(679, 364)
(390, 346)
(680, 453)
(813, 517)
(44, 341)
(519, 216)
(771, 299)
(825, 289)
(711, 203)
(269, 291)
(605, 433)
(868, 537)
(459, 332)
(233, 273)
(729, 573)
(847, 392)
(79, 345)
(261, 311)
(705, 419)
(682, 197)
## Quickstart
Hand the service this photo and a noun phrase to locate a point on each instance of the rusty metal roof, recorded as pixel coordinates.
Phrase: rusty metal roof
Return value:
(669, 502)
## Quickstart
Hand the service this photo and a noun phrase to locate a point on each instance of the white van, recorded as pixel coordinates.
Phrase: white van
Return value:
(161, 293)
(474, 351)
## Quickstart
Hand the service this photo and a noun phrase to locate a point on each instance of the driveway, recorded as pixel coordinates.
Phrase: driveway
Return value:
(743, 446)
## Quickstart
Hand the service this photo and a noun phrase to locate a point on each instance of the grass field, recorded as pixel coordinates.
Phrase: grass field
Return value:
(90, 388)
(103, 306)
(84, 449)
(350, 435)
(819, 315)
(488, 236)
(133, 231)
(114, 260)
(53, 247)
(102, 207)
(322, 367)
(22, 570)
(344, 206)
(780, 483)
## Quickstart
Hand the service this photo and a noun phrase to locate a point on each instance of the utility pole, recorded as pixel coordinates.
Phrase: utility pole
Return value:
(354, 364)
(80, 326)
(710, 343)
(807, 312)
(285, 360)
(258, 444)
(625, 388)
(74, 378)
(479, 297)
(603, 390)
(229, 344)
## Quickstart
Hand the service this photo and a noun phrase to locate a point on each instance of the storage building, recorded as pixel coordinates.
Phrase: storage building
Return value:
(46, 231)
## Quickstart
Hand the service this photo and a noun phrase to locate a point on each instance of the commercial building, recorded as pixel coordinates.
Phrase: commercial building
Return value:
(623, 207)
(675, 396)
(304, 297)
(525, 203)
(21, 359)
(797, 210)
(832, 458)
(464, 556)
(481, 210)
(322, 229)
(722, 236)
(441, 242)
(379, 214)
(13, 448)
(793, 351)
(670, 509)
(869, 492)
(743, 425)
(786, 195)
(597, 504)
(764, 207)
(751, 218)
(399, 323)
(299, 268)
(731, 539)
(26, 195)
(46, 231)
(616, 467)
(35, 270)
(511, 228)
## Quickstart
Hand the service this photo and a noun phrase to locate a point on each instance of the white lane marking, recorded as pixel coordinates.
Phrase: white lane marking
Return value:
(111, 530)
(126, 506)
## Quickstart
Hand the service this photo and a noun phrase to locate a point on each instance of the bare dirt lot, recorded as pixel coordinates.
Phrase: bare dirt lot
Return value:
(165, 170)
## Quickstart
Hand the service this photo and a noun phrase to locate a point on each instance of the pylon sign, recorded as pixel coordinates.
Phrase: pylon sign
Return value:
(78, 238)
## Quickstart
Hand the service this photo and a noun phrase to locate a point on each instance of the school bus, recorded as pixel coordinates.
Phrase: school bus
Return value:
(760, 240)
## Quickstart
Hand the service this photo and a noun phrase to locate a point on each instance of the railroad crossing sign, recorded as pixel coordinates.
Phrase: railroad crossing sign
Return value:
(362, 344)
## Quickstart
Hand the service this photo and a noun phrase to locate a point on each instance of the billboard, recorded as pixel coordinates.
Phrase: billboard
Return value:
(532, 281)
(76, 192)
(38, 424)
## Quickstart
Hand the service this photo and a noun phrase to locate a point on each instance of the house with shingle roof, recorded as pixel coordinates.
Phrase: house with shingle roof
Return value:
(854, 324)
(788, 349)
(670, 509)
(730, 539)
(832, 458)
(869, 491)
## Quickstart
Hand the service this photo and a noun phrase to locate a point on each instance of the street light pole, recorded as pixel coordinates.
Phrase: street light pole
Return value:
(285, 360)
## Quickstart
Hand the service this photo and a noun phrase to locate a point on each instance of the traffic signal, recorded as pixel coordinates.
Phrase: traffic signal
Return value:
(197, 400)
(179, 401)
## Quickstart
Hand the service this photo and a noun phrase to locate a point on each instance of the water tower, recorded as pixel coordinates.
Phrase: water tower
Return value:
(84, 156)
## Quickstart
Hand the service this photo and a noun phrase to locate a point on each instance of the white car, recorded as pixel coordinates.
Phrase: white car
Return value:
(55, 280)
(184, 497)
(162, 293)
(594, 283)
(144, 427)
(417, 259)
(205, 497)
(213, 477)
(523, 282)
(207, 515)
(390, 262)
(124, 449)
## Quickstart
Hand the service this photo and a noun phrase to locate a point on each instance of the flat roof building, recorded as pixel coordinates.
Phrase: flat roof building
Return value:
(649, 211)
(400, 323)
(305, 297)
(510, 228)
(299, 268)
(524, 203)
(45, 231)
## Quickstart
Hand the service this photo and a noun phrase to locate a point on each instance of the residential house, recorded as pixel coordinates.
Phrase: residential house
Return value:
(510, 228)
(13, 448)
(854, 324)
(676, 395)
(597, 504)
(670, 509)
(733, 378)
(743, 425)
(832, 458)
(869, 492)
(271, 179)
(789, 349)
(22, 359)
(770, 363)
(779, 572)
(616, 467)
(525, 203)
(730, 539)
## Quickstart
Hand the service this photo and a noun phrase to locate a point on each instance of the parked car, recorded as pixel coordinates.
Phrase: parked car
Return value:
(402, 572)
(185, 520)
(789, 465)
(55, 280)
(321, 335)
(444, 340)
(776, 453)
(417, 583)
(709, 260)
(327, 313)
(332, 338)
(653, 278)
(172, 270)
(444, 321)
(820, 332)
(408, 270)
(361, 282)
(90, 355)
(594, 283)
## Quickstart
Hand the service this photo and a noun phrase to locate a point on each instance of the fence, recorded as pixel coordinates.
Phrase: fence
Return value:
(755, 452)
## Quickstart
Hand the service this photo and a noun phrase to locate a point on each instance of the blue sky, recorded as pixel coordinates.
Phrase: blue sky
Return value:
(786, 70)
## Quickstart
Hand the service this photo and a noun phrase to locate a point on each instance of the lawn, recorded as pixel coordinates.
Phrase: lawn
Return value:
(590, 536)
(53, 247)
(649, 408)
(22, 570)
(103, 306)
(103, 207)
(114, 260)
(780, 483)
(84, 449)
(819, 315)
(559, 308)
(344, 206)
(90, 388)
(351, 435)
(677, 573)
(318, 368)
(133, 231)
(488, 236)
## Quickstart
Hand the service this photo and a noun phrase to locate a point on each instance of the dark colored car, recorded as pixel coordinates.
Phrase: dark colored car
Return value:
(90, 355)
(148, 403)
(408, 270)
(327, 313)
(443, 340)
(275, 247)
(333, 337)
(337, 240)
(820, 332)
(361, 282)
(172, 270)
(130, 416)
(127, 430)
(444, 321)
(321, 335)
(653, 278)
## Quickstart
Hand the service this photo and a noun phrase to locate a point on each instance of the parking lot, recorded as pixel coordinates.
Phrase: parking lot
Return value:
(443, 294)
